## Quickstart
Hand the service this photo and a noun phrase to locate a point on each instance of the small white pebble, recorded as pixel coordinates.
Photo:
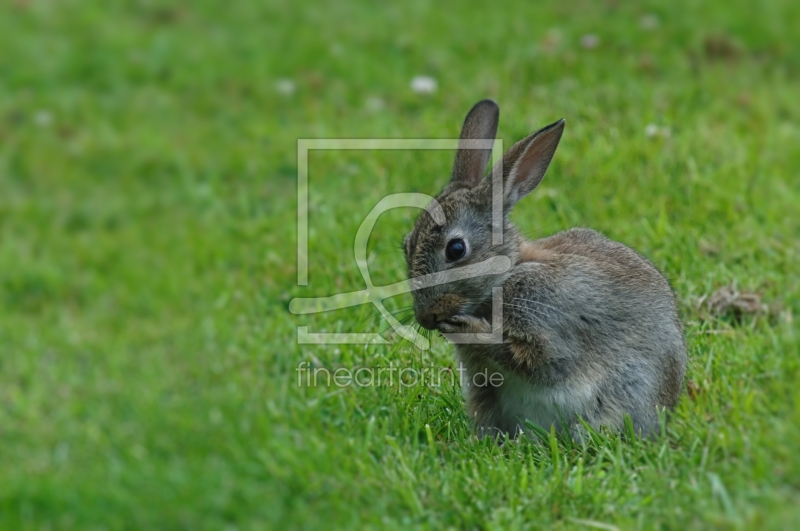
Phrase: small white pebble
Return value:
(653, 130)
(423, 85)
(649, 22)
(286, 87)
(590, 41)
(374, 103)
(43, 118)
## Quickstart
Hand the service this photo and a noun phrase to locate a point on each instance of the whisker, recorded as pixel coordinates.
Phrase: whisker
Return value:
(403, 321)
(508, 304)
(533, 311)
(568, 316)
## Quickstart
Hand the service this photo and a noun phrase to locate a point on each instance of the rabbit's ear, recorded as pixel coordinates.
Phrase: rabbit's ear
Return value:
(525, 164)
(480, 124)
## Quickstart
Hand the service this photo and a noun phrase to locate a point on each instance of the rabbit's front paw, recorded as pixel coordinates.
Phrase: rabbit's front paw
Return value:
(465, 324)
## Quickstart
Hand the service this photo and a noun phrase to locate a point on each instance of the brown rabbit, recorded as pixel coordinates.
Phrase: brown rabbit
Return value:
(590, 328)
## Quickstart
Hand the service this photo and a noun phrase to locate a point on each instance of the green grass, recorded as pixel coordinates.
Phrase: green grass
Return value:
(147, 257)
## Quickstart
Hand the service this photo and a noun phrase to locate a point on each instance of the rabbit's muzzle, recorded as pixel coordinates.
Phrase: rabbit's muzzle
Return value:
(442, 309)
(427, 320)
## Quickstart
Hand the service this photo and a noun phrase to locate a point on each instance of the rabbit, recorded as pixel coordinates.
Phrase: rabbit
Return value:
(590, 328)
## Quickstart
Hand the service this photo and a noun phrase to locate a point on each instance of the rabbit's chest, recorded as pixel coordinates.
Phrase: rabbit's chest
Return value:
(518, 400)
(507, 400)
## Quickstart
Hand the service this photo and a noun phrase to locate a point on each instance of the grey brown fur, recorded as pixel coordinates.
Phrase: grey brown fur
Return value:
(590, 327)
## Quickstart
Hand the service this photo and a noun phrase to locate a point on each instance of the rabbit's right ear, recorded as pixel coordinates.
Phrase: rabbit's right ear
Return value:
(525, 164)
(480, 124)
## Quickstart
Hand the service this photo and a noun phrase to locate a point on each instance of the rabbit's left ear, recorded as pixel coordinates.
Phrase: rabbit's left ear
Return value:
(525, 164)
(480, 124)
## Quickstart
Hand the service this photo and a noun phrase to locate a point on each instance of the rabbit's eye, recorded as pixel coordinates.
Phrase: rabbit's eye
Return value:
(455, 250)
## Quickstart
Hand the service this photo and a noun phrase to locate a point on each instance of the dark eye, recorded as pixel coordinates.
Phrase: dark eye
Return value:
(455, 250)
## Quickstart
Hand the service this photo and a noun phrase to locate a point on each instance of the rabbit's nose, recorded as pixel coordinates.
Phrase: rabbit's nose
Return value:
(427, 320)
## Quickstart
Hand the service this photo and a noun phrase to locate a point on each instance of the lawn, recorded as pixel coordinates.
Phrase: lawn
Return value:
(148, 230)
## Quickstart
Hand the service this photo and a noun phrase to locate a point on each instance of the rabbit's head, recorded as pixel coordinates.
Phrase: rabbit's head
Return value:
(465, 237)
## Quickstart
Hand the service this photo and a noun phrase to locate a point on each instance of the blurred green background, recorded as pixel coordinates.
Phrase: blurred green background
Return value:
(148, 165)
